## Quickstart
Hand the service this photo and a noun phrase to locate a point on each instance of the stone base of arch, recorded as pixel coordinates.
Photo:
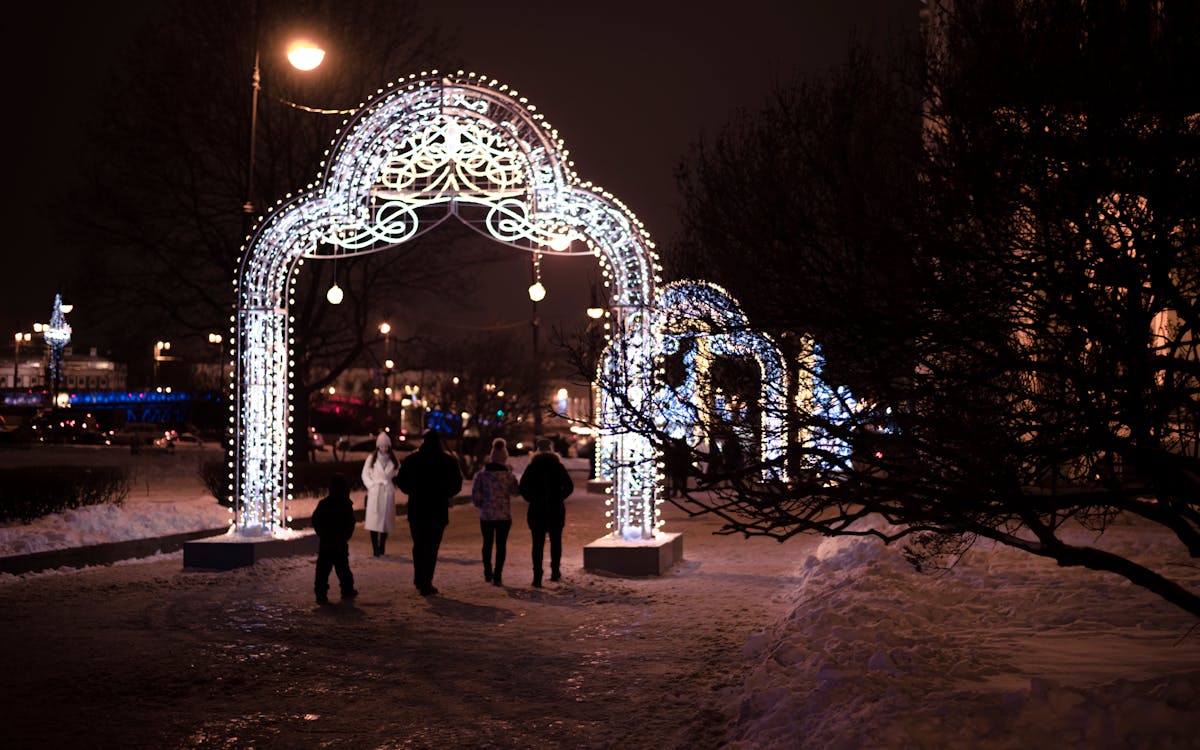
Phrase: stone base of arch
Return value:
(645, 557)
(229, 551)
(598, 486)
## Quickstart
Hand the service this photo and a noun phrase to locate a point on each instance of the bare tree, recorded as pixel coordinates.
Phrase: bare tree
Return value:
(993, 239)
(168, 174)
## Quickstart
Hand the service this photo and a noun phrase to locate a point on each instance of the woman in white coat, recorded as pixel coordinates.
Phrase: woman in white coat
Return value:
(377, 474)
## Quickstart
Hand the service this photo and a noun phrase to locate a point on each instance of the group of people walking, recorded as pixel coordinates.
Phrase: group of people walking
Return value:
(431, 477)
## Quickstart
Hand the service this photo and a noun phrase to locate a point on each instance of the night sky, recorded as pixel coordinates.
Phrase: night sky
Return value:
(628, 85)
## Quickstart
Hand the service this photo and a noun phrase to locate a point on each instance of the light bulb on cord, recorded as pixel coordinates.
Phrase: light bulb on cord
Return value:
(334, 295)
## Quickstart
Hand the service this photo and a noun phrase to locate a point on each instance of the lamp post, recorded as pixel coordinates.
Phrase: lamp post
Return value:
(537, 293)
(216, 340)
(386, 329)
(303, 55)
(21, 337)
(159, 348)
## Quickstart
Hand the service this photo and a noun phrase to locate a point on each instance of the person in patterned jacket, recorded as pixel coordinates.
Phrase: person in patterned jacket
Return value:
(492, 492)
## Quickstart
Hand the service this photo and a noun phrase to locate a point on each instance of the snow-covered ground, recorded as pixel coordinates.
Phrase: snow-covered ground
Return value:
(832, 643)
(1003, 651)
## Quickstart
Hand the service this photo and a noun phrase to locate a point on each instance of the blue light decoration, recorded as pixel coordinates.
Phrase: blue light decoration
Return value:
(424, 150)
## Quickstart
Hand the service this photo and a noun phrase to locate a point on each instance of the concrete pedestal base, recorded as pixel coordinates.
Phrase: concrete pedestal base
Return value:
(646, 557)
(228, 551)
(598, 486)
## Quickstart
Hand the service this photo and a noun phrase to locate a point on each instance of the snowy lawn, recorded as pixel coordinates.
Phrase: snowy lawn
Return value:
(1003, 651)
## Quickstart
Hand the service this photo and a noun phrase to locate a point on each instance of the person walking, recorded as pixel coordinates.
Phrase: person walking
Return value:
(378, 471)
(545, 484)
(430, 477)
(333, 521)
(679, 466)
(492, 491)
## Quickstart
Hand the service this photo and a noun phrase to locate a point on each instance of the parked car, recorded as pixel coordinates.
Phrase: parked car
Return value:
(173, 441)
(68, 426)
(139, 433)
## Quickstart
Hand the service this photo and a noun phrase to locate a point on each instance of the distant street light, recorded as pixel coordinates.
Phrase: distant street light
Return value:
(18, 339)
(389, 364)
(159, 348)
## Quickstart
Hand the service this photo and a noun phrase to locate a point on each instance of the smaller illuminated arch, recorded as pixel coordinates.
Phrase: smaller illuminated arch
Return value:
(708, 315)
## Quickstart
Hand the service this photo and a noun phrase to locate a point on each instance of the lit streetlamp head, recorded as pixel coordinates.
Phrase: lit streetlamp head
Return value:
(385, 328)
(305, 55)
(537, 292)
(560, 242)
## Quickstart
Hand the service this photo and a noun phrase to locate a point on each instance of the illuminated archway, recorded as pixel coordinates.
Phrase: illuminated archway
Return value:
(423, 150)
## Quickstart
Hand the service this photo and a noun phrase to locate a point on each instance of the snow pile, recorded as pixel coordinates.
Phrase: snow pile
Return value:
(97, 524)
(1004, 651)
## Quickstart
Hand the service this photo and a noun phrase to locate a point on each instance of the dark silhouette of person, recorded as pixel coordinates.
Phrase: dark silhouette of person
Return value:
(679, 466)
(333, 521)
(430, 477)
(545, 485)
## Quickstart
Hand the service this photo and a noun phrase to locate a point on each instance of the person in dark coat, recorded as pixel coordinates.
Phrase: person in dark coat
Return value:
(333, 520)
(430, 477)
(545, 485)
(679, 467)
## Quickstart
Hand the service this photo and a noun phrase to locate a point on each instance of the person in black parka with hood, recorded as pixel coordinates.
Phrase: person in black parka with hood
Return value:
(545, 485)
(333, 520)
(430, 477)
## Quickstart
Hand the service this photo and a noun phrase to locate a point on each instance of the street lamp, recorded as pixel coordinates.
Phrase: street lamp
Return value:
(18, 339)
(303, 55)
(537, 293)
(159, 348)
(385, 328)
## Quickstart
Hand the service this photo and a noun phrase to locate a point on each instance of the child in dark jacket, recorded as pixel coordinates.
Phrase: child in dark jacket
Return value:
(333, 520)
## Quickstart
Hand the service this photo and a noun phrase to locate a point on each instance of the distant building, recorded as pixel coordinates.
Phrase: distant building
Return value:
(81, 372)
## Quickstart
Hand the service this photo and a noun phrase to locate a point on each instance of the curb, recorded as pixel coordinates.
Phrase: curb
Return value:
(112, 552)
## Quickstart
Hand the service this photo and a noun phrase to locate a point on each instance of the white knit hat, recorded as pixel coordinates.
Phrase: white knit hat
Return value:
(383, 441)
(499, 453)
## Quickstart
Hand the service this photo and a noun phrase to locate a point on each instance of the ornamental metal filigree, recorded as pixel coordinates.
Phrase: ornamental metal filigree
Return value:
(423, 150)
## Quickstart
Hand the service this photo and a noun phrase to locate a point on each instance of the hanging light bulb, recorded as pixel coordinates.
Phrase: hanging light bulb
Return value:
(334, 295)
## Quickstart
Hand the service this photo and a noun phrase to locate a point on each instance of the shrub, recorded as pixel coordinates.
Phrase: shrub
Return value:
(310, 478)
(30, 492)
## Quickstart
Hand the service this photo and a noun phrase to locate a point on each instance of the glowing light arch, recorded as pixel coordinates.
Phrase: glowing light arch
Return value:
(423, 150)
(706, 314)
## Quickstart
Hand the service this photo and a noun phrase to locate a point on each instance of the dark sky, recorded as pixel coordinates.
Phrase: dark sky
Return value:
(628, 85)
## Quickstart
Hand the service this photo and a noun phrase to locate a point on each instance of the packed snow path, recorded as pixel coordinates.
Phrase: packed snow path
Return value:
(150, 655)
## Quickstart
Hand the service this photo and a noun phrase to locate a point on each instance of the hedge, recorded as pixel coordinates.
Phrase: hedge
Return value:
(309, 478)
(30, 492)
